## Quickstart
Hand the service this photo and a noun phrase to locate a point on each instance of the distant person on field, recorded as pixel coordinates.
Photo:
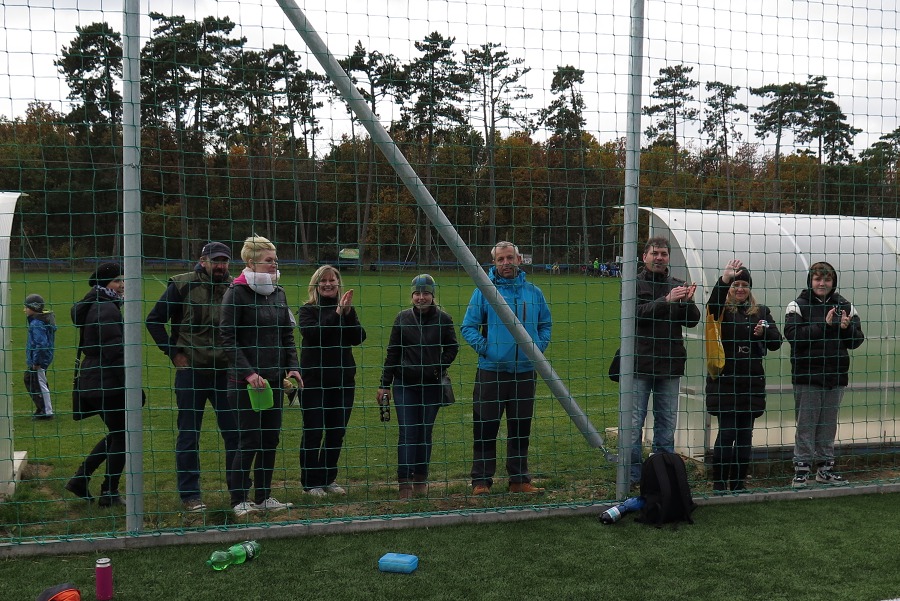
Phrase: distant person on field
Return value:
(420, 350)
(192, 303)
(505, 380)
(737, 396)
(596, 267)
(39, 347)
(665, 305)
(821, 326)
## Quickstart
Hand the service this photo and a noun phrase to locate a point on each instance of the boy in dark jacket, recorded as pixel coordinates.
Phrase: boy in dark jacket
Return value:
(821, 325)
(39, 354)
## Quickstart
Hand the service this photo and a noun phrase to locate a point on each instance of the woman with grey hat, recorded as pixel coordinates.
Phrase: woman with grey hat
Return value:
(421, 348)
(101, 380)
(738, 395)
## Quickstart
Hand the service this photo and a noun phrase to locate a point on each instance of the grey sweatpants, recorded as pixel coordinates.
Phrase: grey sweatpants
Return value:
(817, 414)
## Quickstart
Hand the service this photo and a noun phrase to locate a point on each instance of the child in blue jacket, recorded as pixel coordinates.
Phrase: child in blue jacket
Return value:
(39, 354)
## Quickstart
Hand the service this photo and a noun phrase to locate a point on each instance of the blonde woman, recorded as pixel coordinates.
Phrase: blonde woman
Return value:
(738, 396)
(330, 329)
(257, 331)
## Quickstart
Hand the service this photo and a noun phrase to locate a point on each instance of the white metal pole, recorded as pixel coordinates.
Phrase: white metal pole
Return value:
(134, 319)
(629, 247)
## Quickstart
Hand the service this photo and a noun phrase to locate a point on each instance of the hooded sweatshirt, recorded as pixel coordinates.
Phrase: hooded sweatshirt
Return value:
(819, 354)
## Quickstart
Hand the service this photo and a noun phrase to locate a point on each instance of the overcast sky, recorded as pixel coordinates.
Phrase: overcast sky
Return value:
(741, 42)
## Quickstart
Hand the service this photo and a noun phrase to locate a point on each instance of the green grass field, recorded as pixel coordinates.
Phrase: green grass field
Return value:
(585, 335)
(841, 549)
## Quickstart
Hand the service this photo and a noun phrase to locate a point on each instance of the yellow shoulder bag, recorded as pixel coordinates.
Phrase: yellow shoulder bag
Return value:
(715, 352)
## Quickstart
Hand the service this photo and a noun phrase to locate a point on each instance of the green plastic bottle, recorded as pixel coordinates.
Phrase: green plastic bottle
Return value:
(235, 555)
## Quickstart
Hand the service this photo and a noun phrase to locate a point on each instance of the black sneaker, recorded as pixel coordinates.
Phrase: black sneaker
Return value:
(830, 478)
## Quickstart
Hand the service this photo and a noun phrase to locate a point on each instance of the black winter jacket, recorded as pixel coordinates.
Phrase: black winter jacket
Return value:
(326, 355)
(742, 384)
(819, 354)
(421, 347)
(257, 332)
(659, 344)
(101, 334)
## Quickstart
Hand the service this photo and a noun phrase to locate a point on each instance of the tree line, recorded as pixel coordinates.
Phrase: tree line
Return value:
(229, 132)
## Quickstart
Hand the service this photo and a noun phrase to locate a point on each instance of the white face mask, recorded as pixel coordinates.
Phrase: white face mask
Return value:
(261, 283)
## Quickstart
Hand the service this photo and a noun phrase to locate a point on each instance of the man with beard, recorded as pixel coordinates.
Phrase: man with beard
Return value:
(192, 305)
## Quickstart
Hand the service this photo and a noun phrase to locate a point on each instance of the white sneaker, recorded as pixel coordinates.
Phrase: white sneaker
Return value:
(242, 509)
(272, 504)
(315, 492)
(334, 489)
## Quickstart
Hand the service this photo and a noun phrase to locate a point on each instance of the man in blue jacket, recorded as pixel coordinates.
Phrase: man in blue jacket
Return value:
(505, 381)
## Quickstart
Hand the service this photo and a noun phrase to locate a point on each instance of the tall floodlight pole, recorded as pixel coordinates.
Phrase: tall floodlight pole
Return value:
(426, 201)
(627, 431)
(134, 319)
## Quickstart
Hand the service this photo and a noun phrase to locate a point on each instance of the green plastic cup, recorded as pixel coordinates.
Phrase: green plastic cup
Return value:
(261, 398)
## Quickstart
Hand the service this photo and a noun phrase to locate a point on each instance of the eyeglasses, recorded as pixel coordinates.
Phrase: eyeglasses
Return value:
(219, 261)
(740, 285)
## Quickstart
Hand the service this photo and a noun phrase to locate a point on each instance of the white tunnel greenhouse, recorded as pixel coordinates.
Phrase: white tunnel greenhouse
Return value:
(778, 249)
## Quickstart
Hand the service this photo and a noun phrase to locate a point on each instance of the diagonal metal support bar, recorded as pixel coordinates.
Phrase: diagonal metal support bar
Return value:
(437, 217)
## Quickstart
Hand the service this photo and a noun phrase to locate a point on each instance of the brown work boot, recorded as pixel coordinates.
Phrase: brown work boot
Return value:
(525, 487)
(420, 487)
(480, 490)
(406, 490)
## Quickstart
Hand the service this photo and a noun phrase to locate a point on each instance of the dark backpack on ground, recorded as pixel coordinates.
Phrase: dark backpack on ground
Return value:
(665, 488)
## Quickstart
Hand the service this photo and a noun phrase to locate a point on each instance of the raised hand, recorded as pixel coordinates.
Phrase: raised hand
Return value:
(731, 270)
(346, 303)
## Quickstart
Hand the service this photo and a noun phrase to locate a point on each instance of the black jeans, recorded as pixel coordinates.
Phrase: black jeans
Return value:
(497, 392)
(732, 451)
(110, 448)
(326, 413)
(260, 432)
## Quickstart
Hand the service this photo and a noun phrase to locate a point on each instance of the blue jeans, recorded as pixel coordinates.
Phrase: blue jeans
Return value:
(665, 409)
(417, 408)
(193, 387)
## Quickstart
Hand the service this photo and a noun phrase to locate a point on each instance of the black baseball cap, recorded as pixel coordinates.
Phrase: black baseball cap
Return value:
(215, 250)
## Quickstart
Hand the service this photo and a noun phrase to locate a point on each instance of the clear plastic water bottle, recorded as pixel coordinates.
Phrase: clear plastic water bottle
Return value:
(235, 555)
(614, 514)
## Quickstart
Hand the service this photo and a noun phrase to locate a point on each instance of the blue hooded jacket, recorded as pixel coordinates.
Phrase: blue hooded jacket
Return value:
(486, 334)
(41, 340)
